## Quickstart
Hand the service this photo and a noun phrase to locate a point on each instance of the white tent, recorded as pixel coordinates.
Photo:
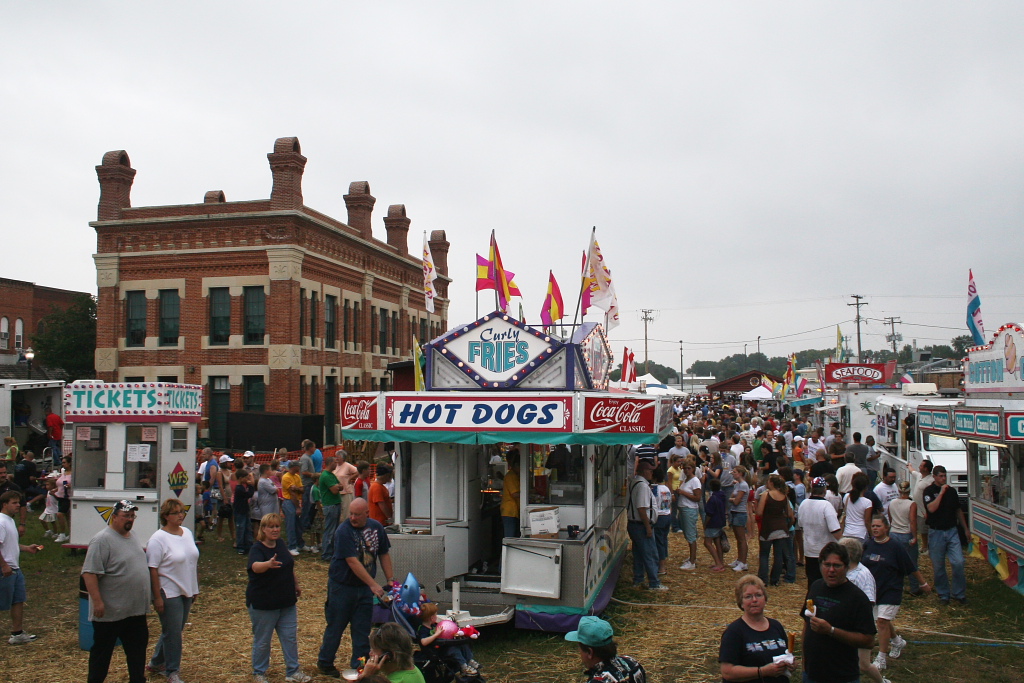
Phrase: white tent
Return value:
(655, 387)
(760, 393)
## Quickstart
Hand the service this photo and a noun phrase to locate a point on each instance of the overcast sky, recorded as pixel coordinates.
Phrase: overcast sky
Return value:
(748, 166)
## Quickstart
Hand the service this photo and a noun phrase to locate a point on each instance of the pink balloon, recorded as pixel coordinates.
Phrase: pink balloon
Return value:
(447, 628)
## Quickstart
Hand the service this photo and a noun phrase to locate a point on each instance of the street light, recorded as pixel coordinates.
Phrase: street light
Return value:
(744, 357)
(29, 355)
(758, 352)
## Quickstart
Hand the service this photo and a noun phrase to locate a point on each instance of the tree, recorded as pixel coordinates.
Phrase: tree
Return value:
(68, 339)
(961, 344)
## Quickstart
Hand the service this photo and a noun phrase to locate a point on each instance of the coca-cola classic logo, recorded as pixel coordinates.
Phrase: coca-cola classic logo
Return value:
(616, 411)
(357, 410)
(855, 372)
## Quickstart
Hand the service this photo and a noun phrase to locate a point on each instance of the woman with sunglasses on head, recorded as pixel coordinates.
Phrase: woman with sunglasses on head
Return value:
(173, 560)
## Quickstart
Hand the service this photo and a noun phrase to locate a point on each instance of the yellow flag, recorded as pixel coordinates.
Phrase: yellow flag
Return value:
(417, 366)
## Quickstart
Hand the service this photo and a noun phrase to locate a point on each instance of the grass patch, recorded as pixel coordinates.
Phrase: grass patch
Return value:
(676, 639)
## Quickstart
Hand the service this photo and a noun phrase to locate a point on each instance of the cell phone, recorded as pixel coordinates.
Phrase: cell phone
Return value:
(386, 656)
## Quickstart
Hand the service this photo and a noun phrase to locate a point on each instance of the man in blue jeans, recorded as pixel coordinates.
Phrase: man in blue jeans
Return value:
(358, 544)
(640, 525)
(943, 515)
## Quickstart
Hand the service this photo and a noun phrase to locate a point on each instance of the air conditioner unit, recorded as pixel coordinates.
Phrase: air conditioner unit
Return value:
(5, 335)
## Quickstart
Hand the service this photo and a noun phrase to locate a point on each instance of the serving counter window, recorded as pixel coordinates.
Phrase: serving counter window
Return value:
(140, 456)
(992, 474)
(90, 457)
(557, 475)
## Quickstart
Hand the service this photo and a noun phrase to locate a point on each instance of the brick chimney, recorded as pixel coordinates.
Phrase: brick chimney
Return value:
(397, 225)
(116, 176)
(214, 197)
(439, 246)
(360, 203)
(286, 164)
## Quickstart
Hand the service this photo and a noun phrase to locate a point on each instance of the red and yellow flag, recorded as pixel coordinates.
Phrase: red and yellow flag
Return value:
(553, 308)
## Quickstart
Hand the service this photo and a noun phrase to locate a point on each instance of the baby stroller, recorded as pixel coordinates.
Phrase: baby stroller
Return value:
(435, 666)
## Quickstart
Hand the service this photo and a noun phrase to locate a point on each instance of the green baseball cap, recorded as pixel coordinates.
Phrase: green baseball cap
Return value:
(592, 632)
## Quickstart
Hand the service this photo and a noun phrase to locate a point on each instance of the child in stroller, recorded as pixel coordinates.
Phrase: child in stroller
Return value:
(430, 632)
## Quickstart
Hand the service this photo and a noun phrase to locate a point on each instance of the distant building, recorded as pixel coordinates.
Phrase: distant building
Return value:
(270, 305)
(23, 305)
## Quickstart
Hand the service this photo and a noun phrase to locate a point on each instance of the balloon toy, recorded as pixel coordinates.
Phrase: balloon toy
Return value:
(408, 596)
(447, 628)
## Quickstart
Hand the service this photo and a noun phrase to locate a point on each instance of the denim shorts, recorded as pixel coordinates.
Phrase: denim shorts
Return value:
(12, 590)
(738, 519)
(689, 517)
(713, 533)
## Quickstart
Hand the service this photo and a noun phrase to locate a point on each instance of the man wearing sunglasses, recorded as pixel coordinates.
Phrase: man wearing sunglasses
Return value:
(116, 575)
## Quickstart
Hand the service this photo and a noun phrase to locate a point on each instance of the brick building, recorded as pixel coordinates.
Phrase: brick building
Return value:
(270, 305)
(23, 305)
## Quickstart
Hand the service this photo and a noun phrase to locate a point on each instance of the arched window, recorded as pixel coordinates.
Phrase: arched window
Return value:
(5, 333)
(19, 333)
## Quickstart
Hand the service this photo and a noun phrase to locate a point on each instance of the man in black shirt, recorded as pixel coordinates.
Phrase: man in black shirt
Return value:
(822, 466)
(943, 515)
(26, 476)
(841, 623)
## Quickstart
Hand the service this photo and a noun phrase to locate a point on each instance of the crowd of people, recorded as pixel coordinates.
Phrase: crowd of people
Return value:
(808, 500)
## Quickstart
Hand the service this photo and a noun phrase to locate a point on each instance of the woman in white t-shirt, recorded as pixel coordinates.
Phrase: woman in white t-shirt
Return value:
(689, 496)
(663, 523)
(173, 559)
(857, 520)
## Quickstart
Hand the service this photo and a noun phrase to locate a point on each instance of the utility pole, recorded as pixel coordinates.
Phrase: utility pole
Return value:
(680, 365)
(892, 336)
(647, 315)
(858, 304)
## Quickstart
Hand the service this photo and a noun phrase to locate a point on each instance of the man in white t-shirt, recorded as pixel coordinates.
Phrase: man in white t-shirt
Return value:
(846, 473)
(820, 525)
(737, 447)
(886, 489)
(12, 581)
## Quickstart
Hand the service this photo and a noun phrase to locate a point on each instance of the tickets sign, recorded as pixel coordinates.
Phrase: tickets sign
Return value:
(544, 413)
(133, 402)
(619, 415)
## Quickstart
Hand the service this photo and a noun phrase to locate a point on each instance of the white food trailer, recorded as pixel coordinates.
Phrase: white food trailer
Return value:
(134, 441)
(498, 381)
(23, 404)
(990, 423)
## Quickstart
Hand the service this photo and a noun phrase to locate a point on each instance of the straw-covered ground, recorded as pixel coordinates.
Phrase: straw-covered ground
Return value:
(674, 633)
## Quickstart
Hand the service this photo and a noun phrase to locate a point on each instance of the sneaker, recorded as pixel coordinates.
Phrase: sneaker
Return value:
(739, 567)
(173, 677)
(260, 678)
(294, 553)
(21, 638)
(659, 587)
(61, 538)
(880, 662)
(896, 646)
(734, 563)
(467, 670)
(687, 565)
(48, 534)
(155, 670)
(331, 670)
(298, 677)
(475, 664)
(314, 548)
(886, 680)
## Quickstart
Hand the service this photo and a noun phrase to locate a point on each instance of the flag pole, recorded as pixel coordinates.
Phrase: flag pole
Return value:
(583, 278)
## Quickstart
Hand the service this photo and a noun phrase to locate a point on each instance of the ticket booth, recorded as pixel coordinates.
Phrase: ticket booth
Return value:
(133, 441)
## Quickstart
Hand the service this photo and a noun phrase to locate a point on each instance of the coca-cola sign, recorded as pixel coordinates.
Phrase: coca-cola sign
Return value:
(855, 373)
(619, 415)
(359, 412)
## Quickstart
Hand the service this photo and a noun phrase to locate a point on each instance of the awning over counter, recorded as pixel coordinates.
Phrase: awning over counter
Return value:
(497, 417)
(999, 424)
(805, 401)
